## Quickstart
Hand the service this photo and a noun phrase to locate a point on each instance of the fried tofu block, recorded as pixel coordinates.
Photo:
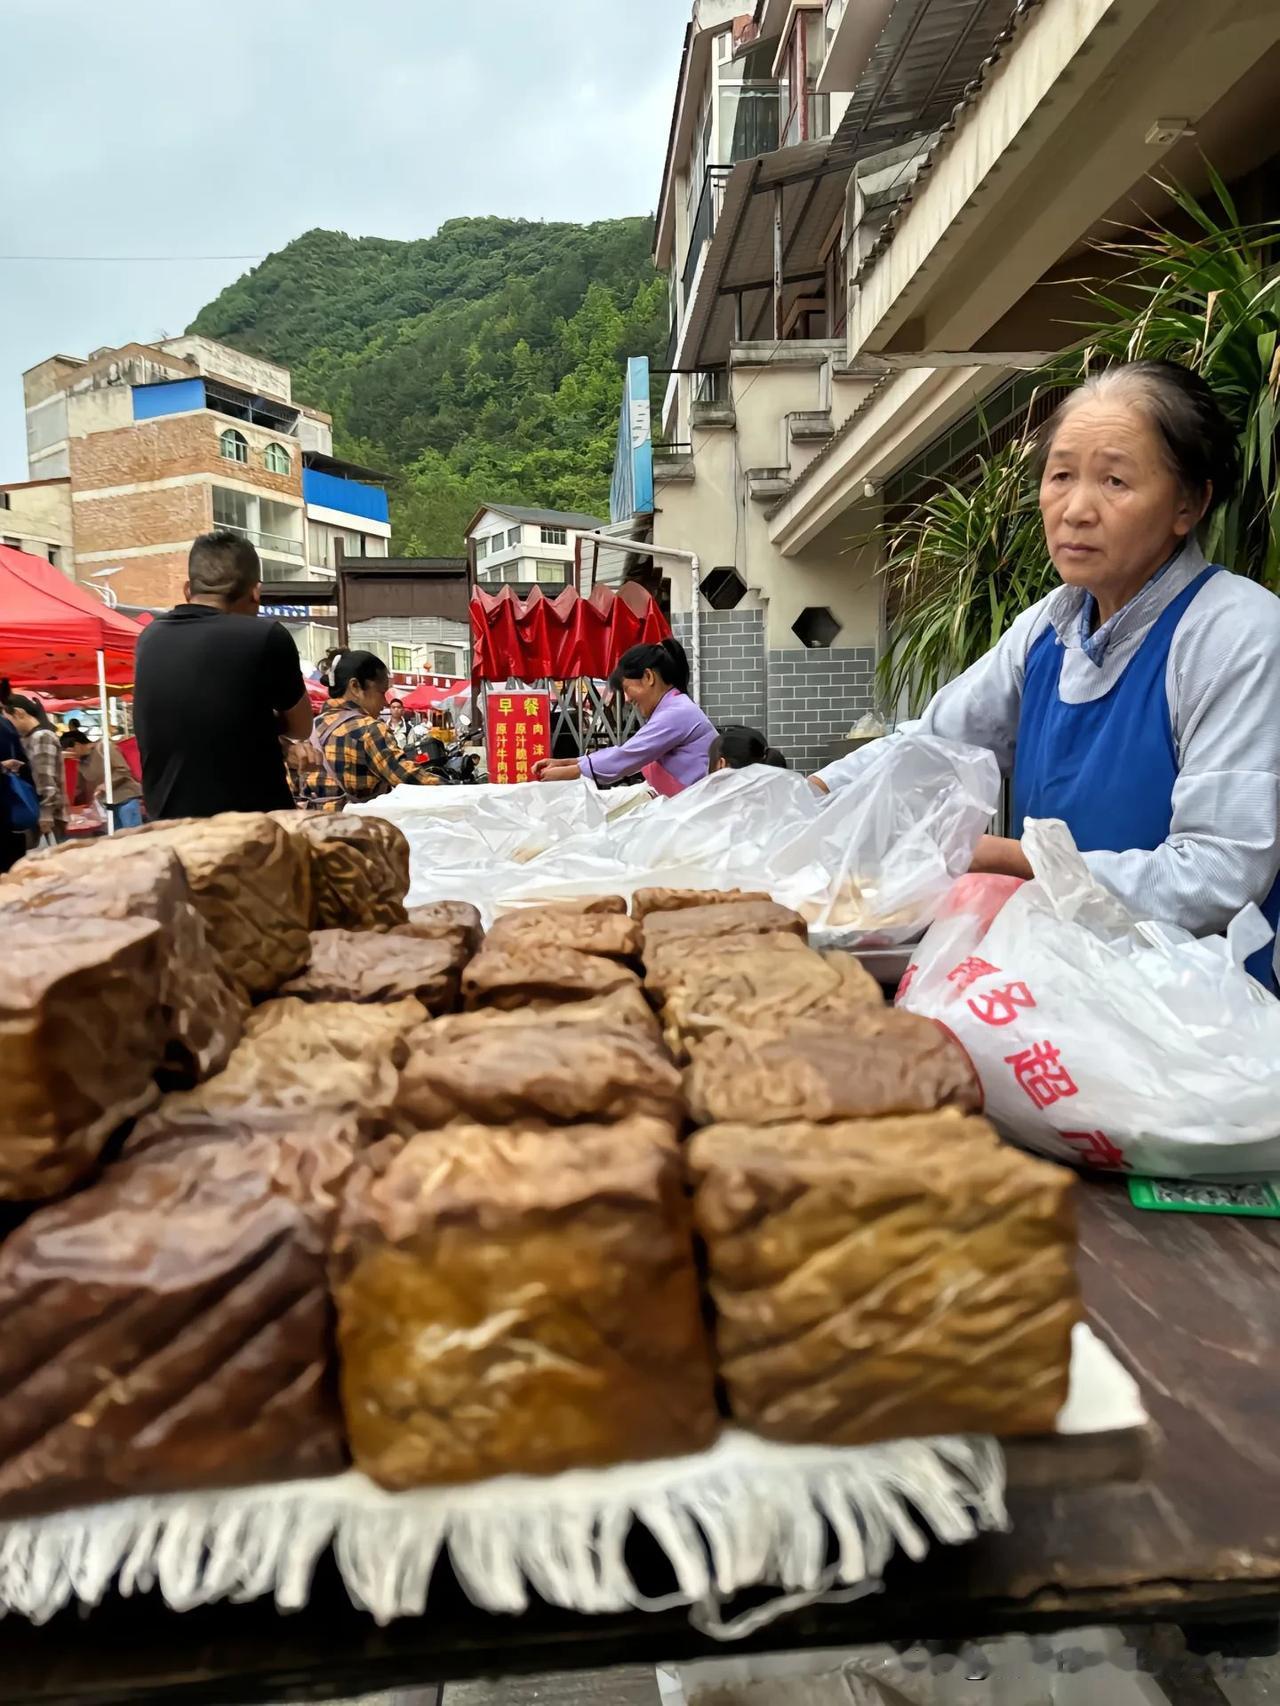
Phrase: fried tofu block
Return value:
(729, 918)
(515, 1302)
(886, 1279)
(82, 1031)
(372, 966)
(359, 868)
(538, 927)
(762, 992)
(498, 978)
(169, 1327)
(562, 1076)
(297, 1060)
(646, 901)
(898, 1064)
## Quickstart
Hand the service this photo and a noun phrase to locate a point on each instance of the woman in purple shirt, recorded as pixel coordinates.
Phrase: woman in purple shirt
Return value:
(672, 748)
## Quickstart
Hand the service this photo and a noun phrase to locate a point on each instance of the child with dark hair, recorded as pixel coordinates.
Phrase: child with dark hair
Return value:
(671, 750)
(737, 746)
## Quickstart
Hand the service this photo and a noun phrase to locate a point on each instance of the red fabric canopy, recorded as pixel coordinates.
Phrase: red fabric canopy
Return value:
(426, 697)
(51, 630)
(560, 638)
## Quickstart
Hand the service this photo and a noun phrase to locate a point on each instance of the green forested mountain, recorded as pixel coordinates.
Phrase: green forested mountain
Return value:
(479, 365)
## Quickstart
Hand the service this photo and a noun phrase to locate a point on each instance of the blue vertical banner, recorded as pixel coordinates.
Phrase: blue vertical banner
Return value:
(631, 492)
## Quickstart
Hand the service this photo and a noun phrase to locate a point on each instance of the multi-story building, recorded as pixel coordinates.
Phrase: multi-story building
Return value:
(35, 516)
(872, 213)
(527, 547)
(148, 445)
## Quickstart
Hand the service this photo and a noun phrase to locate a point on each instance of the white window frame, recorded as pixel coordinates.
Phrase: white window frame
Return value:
(276, 459)
(555, 536)
(233, 446)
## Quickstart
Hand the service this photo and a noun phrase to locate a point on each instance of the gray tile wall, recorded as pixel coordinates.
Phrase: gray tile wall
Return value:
(801, 699)
(733, 664)
(815, 696)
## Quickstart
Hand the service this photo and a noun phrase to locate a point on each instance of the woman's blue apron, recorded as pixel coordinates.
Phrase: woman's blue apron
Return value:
(1107, 768)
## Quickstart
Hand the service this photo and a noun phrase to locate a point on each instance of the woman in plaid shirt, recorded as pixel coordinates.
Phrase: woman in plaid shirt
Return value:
(353, 759)
(44, 755)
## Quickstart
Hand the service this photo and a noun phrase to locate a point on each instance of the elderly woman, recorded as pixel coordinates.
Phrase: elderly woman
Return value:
(1140, 701)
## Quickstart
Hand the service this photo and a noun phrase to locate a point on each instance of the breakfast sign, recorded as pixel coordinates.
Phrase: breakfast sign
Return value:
(517, 734)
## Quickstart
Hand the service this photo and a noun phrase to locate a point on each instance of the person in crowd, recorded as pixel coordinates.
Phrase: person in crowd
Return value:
(126, 793)
(737, 746)
(44, 755)
(71, 734)
(355, 758)
(672, 747)
(397, 726)
(216, 686)
(13, 762)
(1140, 701)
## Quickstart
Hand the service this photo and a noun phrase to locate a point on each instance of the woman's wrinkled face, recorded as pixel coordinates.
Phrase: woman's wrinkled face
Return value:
(644, 692)
(1114, 511)
(372, 697)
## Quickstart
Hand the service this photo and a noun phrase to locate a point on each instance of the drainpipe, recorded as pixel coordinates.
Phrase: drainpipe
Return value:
(668, 553)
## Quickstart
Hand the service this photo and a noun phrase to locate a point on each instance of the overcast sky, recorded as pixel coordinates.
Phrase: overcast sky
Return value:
(187, 128)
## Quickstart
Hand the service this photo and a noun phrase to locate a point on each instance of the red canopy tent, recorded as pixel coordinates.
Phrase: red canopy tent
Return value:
(427, 697)
(55, 634)
(563, 638)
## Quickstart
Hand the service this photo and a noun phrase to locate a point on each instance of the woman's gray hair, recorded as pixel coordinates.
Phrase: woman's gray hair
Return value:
(1199, 442)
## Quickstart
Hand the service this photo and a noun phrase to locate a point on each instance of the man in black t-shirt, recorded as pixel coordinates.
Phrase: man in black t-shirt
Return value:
(215, 688)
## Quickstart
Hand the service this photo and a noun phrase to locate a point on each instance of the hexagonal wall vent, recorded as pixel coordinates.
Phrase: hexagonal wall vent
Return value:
(724, 589)
(816, 627)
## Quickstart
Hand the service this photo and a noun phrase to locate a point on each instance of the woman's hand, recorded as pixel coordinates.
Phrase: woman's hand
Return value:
(557, 770)
(12, 765)
(998, 856)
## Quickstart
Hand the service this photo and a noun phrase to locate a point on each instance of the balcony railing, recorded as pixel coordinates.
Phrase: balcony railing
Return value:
(704, 222)
(815, 112)
(276, 542)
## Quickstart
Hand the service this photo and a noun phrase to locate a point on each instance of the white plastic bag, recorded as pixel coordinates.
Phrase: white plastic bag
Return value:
(891, 840)
(1101, 1040)
(866, 865)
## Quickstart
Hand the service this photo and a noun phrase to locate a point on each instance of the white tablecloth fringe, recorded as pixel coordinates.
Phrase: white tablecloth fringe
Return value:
(807, 1521)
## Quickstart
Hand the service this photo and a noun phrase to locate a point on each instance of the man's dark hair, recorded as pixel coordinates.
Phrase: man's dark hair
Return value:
(222, 565)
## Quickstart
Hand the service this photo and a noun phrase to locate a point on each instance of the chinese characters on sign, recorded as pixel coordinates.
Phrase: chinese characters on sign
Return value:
(517, 734)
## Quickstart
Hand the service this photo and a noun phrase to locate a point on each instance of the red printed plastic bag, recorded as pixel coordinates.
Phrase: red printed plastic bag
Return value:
(1118, 1044)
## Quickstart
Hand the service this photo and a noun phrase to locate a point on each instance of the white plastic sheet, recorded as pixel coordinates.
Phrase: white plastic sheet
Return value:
(1102, 1039)
(865, 866)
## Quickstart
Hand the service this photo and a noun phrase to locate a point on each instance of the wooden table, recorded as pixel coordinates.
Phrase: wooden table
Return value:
(1191, 1303)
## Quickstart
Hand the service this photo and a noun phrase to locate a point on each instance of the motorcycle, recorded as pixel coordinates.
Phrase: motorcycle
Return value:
(452, 765)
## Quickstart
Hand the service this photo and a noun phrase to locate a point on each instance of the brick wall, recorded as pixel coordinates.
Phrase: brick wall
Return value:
(163, 515)
(174, 445)
(157, 581)
(733, 663)
(816, 696)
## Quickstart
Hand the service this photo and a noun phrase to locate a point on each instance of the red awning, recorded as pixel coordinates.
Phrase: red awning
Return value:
(562, 638)
(51, 630)
(427, 697)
